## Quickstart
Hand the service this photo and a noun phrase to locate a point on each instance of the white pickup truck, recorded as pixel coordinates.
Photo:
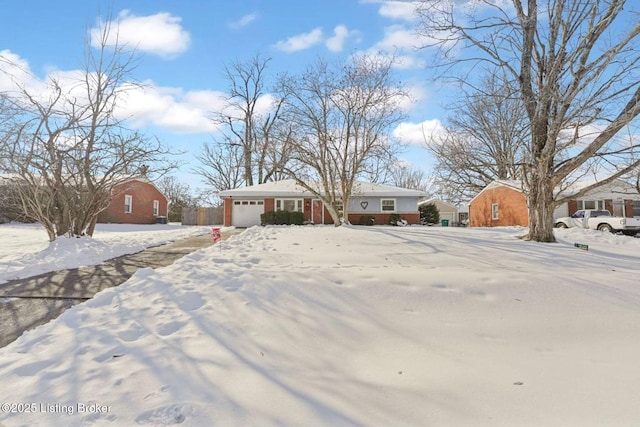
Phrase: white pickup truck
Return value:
(599, 219)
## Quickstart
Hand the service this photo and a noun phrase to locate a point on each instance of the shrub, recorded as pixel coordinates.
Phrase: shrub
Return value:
(429, 213)
(268, 218)
(296, 218)
(282, 218)
(367, 220)
(394, 218)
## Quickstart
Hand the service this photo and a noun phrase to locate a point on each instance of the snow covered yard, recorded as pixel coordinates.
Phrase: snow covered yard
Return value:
(371, 326)
(25, 250)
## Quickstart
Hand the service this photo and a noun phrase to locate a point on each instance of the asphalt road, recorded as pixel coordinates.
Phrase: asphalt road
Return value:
(30, 302)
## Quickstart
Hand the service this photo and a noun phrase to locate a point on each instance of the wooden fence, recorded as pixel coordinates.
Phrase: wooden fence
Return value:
(203, 216)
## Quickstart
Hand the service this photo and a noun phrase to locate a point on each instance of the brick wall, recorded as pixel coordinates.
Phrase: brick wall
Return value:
(143, 194)
(228, 206)
(512, 208)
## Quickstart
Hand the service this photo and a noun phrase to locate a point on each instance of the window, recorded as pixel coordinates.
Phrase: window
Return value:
(156, 208)
(636, 208)
(388, 205)
(128, 203)
(590, 204)
(248, 202)
(494, 212)
(290, 205)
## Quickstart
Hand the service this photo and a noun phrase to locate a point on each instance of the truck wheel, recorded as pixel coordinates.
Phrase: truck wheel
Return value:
(605, 227)
(561, 225)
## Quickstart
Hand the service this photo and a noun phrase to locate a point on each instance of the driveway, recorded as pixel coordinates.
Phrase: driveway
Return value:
(30, 302)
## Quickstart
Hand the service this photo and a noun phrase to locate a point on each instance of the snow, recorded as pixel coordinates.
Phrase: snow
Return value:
(348, 326)
(26, 252)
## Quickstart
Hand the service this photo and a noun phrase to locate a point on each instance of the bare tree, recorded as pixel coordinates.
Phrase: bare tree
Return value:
(575, 62)
(403, 175)
(251, 119)
(71, 150)
(179, 195)
(485, 139)
(220, 165)
(342, 118)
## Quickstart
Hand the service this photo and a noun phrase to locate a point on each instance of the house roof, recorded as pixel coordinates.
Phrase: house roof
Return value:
(289, 188)
(514, 184)
(619, 186)
(424, 202)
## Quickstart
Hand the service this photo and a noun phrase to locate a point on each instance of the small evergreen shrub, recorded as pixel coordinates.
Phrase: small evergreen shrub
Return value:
(429, 213)
(268, 218)
(282, 218)
(367, 220)
(296, 218)
(394, 218)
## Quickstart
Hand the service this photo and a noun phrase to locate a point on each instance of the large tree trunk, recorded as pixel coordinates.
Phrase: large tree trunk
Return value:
(541, 206)
(334, 215)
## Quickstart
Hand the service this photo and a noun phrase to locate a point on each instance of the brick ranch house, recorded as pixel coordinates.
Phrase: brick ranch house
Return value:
(243, 206)
(503, 203)
(136, 201)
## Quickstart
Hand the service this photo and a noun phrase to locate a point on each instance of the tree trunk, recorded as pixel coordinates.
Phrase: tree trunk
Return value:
(541, 207)
(334, 213)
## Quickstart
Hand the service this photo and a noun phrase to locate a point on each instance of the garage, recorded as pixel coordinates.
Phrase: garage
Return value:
(449, 216)
(246, 213)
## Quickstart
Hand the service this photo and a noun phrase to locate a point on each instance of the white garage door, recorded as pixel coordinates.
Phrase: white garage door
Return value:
(448, 215)
(246, 213)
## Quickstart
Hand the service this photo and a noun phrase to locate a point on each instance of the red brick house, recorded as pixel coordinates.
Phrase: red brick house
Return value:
(137, 201)
(503, 203)
(243, 206)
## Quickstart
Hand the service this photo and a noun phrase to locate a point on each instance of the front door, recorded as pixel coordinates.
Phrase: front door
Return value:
(317, 211)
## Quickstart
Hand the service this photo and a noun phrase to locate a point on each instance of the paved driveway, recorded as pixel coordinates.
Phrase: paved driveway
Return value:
(30, 302)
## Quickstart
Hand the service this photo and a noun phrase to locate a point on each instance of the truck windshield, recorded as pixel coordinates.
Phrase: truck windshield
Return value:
(599, 213)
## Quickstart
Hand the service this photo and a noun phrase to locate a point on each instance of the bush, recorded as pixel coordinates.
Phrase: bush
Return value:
(394, 218)
(429, 213)
(268, 218)
(282, 218)
(367, 220)
(296, 218)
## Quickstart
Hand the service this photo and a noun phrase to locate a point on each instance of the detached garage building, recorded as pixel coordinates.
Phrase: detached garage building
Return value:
(446, 211)
(243, 206)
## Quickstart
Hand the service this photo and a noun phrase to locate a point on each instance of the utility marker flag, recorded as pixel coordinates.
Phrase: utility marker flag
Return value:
(215, 234)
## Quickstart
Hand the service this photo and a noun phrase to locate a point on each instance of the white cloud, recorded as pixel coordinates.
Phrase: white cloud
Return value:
(244, 21)
(419, 133)
(398, 37)
(340, 34)
(160, 34)
(404, 10)
(170, 108)
(14, 70)
(301, 41)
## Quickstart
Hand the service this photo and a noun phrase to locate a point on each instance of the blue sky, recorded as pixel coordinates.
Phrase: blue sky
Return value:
(184, 46)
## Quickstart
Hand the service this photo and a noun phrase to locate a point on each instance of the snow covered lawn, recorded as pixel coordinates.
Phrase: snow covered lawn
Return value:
(370, 326)
(25, 250)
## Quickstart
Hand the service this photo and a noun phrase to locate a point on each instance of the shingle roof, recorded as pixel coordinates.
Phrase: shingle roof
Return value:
(289, 188)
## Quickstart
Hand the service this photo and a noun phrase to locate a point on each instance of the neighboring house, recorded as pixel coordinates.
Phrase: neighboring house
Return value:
(503, 203)
(463, 214)
(243, 206)
(446, 211)
(137, 201)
